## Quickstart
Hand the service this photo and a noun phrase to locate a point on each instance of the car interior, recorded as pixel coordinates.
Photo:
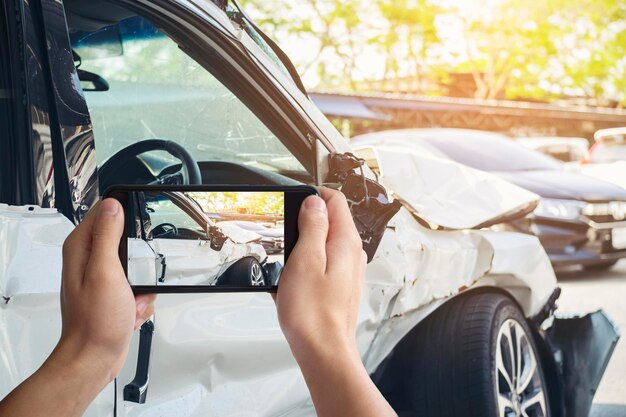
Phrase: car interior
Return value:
(155, 127)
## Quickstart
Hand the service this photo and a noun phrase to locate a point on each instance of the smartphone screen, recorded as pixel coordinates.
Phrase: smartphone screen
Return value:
(207, 238)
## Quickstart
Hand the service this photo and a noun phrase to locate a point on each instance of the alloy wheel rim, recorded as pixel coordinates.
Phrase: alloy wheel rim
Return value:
(256, 275)
(519, 387)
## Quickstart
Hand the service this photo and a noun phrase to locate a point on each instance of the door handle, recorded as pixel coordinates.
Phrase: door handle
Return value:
(161, 259)
(137, 390)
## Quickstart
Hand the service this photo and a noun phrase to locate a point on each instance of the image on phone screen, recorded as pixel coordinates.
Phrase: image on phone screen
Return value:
(205, 238)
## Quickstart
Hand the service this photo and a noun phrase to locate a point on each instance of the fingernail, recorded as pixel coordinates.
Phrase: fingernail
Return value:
(109, 207)
(315, 203)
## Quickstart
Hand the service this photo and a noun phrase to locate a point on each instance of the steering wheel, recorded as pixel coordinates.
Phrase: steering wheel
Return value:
(165, 230)
(189, 174)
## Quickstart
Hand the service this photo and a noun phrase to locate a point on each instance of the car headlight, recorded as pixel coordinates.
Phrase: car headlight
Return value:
(616, 209)
(559, 209)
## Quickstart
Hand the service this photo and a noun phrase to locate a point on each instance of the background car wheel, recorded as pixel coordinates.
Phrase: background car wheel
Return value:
(475, 357)
(243, 273)
(600, 266)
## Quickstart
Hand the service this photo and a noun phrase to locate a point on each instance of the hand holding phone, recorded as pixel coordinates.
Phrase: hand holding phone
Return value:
(207, 238)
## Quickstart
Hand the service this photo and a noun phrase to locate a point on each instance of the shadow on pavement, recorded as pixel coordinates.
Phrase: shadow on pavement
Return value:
(608, 410)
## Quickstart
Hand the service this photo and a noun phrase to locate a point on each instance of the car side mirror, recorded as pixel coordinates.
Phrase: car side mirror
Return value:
(216, 237)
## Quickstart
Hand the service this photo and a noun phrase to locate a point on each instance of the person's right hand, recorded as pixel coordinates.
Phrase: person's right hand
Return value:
(320, 286)
(318, 300)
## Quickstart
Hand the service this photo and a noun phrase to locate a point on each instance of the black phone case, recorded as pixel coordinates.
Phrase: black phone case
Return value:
(291, 230)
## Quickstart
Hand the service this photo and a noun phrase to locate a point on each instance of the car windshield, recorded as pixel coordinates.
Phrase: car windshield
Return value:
(163, 210)
(491, 153)
(156, 91)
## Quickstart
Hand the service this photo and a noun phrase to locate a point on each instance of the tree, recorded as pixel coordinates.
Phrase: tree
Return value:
(540, 50)
(406, 40)
(548, 49)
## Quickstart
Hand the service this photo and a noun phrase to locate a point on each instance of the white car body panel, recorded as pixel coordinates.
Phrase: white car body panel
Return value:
(238, 234)
(202, 355)
(189, 262)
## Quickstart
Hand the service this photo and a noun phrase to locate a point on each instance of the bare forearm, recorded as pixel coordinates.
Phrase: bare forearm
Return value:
(62, 387)
(340, 385)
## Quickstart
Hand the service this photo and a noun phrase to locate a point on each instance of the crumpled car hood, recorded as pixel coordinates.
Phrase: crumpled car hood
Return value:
(239, 235)
(442, 191)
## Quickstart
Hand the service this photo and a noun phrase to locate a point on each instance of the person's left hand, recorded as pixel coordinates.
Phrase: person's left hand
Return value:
(98, 307)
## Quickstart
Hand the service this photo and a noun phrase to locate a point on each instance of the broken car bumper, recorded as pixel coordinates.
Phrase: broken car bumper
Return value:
(582, 346)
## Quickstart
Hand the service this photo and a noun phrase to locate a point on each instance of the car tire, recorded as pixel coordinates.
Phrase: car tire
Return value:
(600, 266)
(245, 272)
(455, 361)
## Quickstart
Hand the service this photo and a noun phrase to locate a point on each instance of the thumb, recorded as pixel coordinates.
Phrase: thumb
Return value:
(107, 232)
(312, 230)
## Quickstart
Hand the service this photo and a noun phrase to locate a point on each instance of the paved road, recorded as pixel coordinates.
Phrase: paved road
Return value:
(279, 257)
(584, 291)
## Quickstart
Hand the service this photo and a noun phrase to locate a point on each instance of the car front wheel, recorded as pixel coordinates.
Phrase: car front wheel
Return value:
(244, 273)
(474, 356)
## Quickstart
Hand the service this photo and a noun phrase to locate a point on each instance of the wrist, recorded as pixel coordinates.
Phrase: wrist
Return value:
(310, 353)
(80, 363)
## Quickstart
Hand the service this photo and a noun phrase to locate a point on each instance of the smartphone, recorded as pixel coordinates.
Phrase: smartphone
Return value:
(207, 238)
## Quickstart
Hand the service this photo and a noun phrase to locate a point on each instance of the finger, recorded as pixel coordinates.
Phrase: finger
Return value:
(76, 250)
(144, 308)
(343, 245)
(341, 225)
(107, 232)
(312, 230)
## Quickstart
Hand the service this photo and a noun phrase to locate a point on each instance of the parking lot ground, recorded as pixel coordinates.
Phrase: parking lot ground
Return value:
(277, 257)
(587, 291)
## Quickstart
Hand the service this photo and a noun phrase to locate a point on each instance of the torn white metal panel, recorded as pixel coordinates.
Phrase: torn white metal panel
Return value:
(30, 326)
(239, 235)
(521, 267)
(30, 252)
(431, 267)
(442, 191)
(419, 266)
(439, 263)
(188, 262)
(217, 355)
(31, 240)
(212, 349)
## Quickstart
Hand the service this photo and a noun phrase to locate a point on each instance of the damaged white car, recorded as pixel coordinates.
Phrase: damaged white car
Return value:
(454, 320)
(173, 242)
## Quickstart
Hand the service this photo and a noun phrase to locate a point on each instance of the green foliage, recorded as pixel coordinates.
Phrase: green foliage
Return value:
(261, 202)
(541, 49)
